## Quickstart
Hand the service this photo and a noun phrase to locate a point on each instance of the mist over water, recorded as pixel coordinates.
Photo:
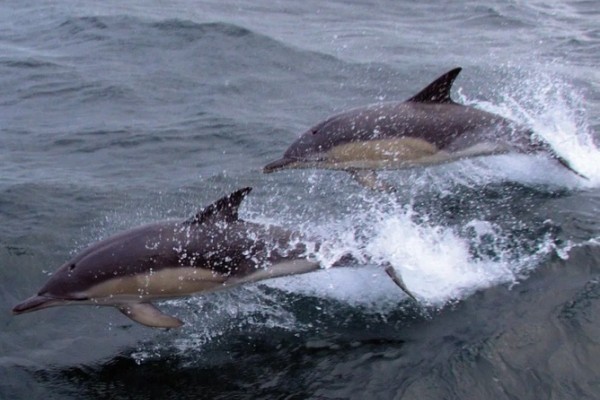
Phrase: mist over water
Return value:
(119, 114)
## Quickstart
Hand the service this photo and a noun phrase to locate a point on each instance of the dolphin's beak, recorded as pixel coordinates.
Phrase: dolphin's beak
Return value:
(36, 303)
(277, 165)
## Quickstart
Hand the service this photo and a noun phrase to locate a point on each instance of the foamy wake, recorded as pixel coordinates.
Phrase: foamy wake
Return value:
(437, 263)
(556, 111)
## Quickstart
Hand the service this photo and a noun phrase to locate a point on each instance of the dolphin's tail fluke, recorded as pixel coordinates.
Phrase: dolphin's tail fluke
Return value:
(389, 269)
(539, 144)
(567, 165)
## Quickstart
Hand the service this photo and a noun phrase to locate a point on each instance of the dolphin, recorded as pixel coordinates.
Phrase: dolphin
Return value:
(213, 250)
(427, 129)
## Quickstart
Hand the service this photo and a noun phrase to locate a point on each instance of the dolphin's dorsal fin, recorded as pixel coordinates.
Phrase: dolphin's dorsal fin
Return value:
(226, 208)
(437, 91)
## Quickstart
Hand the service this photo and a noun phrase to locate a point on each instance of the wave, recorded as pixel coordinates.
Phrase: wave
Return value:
(450, 233)
(133, 32)
(447, 236)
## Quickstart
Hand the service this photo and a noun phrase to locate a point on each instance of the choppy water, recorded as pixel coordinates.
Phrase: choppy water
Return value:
(113, 114)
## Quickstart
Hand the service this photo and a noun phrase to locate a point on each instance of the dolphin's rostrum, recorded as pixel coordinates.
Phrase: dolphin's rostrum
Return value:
(429, 128)
(213, 250)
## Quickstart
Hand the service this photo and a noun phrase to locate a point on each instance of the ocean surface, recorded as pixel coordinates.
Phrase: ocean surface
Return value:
(118, 113)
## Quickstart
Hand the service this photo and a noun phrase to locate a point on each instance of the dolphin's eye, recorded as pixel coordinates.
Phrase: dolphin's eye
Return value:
(314, 131)
(71, 267)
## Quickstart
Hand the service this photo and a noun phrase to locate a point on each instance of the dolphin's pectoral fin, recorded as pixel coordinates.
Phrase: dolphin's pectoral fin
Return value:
(369, 179)
(398, 281)
(147, 314)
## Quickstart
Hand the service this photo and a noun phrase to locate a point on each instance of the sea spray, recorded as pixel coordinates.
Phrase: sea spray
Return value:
(555, 110)
(442, 260)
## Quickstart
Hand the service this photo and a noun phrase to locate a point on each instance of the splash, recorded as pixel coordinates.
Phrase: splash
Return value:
(439, 264)
(441, 261)
(556, 111)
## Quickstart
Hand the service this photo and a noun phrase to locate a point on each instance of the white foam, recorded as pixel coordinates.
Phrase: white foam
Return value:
(556, 111)
(434, 262)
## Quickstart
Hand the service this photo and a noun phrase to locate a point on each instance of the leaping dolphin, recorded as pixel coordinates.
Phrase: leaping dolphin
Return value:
(213, 250)
(429, 128)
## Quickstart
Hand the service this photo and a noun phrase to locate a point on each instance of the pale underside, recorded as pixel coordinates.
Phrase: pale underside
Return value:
(132, 294)
(390, 154)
